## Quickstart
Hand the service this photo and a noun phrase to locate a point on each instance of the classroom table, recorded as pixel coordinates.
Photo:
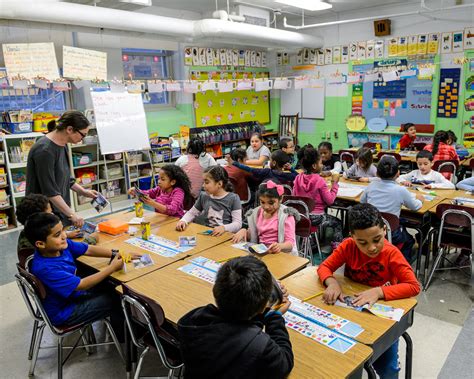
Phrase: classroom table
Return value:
(178, 293)
(167, 230)
(280, 265)
(379, 333)
(406, 156)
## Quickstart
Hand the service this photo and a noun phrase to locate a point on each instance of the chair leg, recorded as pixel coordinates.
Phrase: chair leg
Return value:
(319, 247)
(114, 338)
(39, 337)
(60, 358)
(433, 268)
(140, 362)
(33, 339)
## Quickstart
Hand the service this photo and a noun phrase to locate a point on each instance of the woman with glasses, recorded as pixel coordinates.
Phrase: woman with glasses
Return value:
(48, 172)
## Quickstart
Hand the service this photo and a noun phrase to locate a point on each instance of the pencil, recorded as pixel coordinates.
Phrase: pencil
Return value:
(313, 296)
(227, 259)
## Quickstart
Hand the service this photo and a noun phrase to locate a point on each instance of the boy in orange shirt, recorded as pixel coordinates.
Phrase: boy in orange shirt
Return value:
(373, 261)
(406, 142)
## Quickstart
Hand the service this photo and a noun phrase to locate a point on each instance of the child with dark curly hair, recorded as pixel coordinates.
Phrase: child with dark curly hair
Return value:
(169, 197)
(371, 260)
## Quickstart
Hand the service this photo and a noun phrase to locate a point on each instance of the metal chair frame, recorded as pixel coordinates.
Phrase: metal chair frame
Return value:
(132, 302)
(443, 249)
(449, 164)
(41, 320)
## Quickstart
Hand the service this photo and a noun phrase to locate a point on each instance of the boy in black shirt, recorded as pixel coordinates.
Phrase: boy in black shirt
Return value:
(228, 341)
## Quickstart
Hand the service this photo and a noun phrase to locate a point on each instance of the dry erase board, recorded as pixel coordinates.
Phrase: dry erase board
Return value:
(212, 108)
(414, 107)
(307, 102)
(120, 121)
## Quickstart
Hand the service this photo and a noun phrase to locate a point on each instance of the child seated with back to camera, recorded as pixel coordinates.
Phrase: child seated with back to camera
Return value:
(271, 223)
(243, 336)
(36, 203)
(425, 175)
(217, 206)
(240, 177)
(371, 260)
(278, 162)
(363, 169)
(194, 163)
(389, 197)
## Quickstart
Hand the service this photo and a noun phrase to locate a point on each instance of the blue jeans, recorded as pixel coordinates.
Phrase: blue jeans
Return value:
(386, 365)
(401, 235)
(97, 305)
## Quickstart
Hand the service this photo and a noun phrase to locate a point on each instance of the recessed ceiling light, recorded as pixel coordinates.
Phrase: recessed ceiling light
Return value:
(310, 5)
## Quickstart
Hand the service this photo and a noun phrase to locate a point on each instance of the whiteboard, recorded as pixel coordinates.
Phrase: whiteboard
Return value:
(313, 103)
(120, 121)
(290, 102)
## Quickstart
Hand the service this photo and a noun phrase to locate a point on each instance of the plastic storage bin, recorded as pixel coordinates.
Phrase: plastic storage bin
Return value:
(80, 159)
(18, 127)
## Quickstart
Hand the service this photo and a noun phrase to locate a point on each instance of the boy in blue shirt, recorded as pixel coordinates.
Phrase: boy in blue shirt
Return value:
(389, 197)
(68, 299)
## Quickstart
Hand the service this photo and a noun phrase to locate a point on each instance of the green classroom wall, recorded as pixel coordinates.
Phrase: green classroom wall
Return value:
(167, 121)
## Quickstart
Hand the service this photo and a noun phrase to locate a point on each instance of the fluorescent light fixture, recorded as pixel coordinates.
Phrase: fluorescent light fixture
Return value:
(310, 5)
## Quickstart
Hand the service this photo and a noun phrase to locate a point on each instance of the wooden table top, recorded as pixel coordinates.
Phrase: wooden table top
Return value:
(179, 293)
(280, 265)
(306, 283)
(165, 229)
(407, 156)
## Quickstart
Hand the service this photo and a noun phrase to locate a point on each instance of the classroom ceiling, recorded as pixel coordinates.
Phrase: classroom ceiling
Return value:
(204, 6)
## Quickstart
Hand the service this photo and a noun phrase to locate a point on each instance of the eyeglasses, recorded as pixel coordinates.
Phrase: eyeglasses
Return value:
(83, 135)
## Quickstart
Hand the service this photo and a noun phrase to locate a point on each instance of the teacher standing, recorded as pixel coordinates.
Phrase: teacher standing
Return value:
(48, 171)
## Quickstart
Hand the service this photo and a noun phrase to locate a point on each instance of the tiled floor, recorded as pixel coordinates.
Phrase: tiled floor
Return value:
(439, 318)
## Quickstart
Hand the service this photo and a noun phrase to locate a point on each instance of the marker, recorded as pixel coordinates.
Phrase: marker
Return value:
(313, 296)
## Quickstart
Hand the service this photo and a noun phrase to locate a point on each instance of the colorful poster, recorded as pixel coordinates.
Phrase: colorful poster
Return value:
(336, 55)
(345, 54)
(379, 49)
(446, 43)
(188, 56)
(393, 47)
(448, 97)
(412, 45)
(361, 50)
(370, 49)
(313, 59)
(328, 55)
(433, 43)
(353, 51)
(458, 42)
(422, 44)
(402, 47)
(320, 57)
(468, 38)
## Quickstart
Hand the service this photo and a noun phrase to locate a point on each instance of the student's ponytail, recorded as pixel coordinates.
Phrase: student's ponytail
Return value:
(440, 136)
(51, 126)
(219, 174)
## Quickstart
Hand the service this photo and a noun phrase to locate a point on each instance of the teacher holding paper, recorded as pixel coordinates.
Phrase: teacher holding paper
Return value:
(48, 172)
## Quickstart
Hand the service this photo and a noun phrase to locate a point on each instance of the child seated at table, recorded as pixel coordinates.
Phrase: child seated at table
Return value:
(440, 148)
(387, 196)
(194, 163)
(240, 177)
(272, 223)
(466, 184)
(35, 203)
(287, 145)
(257, 152)
(228, 340)
(217, 206)
(408, 139)
(310, 184)
(331, 163)
(278, 162)
(371, 260)
(71, 300)
(363, 169)
(425, 176)
(170, 194)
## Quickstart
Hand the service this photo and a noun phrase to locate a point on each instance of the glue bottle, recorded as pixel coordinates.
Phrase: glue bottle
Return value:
(397, 149)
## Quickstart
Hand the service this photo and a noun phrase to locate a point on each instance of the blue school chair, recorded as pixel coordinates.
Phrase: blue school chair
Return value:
(34, 293)
(455, 232)
(148, 328)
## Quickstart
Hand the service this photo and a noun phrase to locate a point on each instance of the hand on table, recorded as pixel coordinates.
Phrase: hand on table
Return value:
(368, 297)
(117, 263)
(364, 180)
(73, 233)
(285, 304)
(274, 248)
(427, 186)
(240, 236)
(332, 293)
(181, 226)
(218, 231)
(406, 183)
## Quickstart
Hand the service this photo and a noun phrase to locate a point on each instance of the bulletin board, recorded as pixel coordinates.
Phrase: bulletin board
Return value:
(414, 107)
(212, 108)
(448, 98)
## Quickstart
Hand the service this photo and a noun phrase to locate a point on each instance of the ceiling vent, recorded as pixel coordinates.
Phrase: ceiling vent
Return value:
(254, 16)
(125, 5)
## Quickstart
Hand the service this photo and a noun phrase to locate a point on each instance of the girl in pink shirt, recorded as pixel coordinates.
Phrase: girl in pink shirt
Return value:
(272, 223)
(310, 184)
(173, 188)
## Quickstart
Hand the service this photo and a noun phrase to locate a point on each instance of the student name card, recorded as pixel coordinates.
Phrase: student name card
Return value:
(84, 64)
(31, 60)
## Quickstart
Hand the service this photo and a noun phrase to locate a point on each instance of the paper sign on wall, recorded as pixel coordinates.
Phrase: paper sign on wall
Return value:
(328, 55)
(370, 49)
(320, 57)
(422, 44)
(457, 42)
(84, 64)
(353, 51)
(30, 60)
(361, 50)
(336, 54)
(379, 49)
(393, 47)
(412, 45)
(446, 42)
(402, 49)
(469, 38)
(344, 54)
(433, 43)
